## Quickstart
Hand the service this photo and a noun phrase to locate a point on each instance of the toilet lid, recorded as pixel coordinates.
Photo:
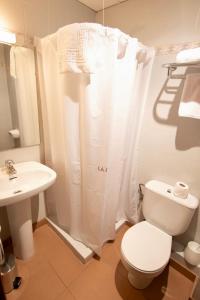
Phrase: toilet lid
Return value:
(145, 247)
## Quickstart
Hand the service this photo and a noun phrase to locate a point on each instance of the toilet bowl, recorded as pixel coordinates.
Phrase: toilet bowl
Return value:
(146, 246)
(145, 251)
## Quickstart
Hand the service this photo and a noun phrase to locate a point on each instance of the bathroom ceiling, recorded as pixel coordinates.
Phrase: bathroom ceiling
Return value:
(98, 4)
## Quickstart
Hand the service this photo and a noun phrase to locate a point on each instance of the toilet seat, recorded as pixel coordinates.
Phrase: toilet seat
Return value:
(146, 247)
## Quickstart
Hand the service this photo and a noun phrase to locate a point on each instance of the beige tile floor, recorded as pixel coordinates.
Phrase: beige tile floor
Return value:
(55, 273)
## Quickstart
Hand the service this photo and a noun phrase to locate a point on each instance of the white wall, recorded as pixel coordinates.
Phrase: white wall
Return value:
(37, 18)
(156, 22)
(169, 145)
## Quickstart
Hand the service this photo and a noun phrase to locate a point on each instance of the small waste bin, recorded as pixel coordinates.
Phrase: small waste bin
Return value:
(8, 271)
(192, 253)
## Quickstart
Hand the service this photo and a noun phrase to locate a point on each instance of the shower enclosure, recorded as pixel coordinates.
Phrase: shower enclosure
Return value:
(91, 132)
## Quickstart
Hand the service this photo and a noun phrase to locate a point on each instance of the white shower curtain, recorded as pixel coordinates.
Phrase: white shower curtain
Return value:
(91, 125)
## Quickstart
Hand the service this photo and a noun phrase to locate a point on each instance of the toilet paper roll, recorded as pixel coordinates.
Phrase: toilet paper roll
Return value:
(14, 133)
(181, 190)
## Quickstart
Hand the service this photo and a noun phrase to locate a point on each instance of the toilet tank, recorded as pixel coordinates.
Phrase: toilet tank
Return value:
(166, 211)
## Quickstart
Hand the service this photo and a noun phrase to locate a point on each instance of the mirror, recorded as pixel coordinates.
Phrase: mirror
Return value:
(19, 125)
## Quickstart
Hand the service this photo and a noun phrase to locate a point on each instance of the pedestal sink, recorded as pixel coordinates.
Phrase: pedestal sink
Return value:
(32, 178)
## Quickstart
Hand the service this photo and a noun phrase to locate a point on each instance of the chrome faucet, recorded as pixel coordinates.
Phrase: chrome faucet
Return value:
(9, 164)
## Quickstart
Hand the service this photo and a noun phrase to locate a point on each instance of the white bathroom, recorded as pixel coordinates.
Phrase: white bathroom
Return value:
(99, 149)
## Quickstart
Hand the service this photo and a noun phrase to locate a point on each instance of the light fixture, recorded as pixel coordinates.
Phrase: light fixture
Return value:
(7, 37)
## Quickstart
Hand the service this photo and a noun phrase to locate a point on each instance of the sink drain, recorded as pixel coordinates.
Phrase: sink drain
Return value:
(18, 191)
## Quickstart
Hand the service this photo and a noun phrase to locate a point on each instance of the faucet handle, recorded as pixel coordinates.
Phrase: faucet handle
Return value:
(9, 162)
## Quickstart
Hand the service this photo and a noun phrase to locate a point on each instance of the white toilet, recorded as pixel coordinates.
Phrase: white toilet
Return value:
(146, 246)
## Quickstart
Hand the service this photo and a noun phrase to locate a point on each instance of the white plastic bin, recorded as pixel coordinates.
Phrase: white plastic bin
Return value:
(192, 253)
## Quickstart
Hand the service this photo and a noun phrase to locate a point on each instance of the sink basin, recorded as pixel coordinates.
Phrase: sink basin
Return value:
(32, 178)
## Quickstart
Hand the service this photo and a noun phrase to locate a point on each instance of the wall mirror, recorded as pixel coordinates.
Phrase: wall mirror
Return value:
(19, 126)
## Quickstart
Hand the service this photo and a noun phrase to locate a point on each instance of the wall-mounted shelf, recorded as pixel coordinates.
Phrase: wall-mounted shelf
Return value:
(175, 65)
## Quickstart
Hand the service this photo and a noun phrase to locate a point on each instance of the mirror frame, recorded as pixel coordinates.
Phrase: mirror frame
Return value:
(28, 42)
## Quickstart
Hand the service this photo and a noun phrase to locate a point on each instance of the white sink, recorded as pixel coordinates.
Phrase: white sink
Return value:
(32, 178)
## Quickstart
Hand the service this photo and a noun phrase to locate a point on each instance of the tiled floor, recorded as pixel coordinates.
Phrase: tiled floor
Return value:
(55, 273)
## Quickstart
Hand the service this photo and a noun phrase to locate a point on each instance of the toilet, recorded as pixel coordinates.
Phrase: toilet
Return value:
(146, 246)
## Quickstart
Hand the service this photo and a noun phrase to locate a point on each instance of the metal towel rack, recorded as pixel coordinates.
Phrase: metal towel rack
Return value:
(171, 67)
